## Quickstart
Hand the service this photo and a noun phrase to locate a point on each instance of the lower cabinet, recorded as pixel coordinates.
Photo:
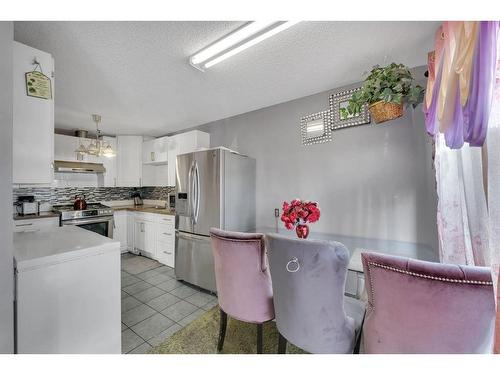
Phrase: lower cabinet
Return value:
(120, 230)
(165, 244)
(151, 235)
(36, 225)
(144, 237)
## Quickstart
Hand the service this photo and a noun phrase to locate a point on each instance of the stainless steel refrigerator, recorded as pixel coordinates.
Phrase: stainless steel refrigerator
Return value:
(214, 188)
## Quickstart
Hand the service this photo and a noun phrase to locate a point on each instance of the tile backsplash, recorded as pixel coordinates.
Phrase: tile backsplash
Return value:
(54, 195)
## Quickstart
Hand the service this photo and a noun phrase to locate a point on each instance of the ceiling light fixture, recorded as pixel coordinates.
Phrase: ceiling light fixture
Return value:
(97, 147)
(246, 36)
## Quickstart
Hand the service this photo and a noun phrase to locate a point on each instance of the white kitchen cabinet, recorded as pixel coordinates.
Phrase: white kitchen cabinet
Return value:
(120, 229)
(155, 150)
(153, 235)
(145, 234)
(110, 164)
(33, 120)
(129, 160)
(155, 159)
(182, 144)
(64, 147)
(36, 225)
(155, 175)
(165, 244)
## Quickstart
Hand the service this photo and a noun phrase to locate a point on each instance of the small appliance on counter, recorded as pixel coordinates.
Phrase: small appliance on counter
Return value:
(26, 205)
(136, 196)
(171, 200)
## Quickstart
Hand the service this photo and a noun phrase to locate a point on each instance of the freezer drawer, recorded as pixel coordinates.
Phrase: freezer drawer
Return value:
(194, 262)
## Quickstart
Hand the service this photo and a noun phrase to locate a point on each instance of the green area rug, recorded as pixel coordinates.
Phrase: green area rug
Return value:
(200, 337)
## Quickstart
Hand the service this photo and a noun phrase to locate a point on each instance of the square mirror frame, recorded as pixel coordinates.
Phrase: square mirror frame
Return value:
(338, 123)
(327, 134)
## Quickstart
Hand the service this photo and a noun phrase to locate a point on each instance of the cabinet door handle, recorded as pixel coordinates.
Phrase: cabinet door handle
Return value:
(167, 234)
(115, 181)
(24, 225)
(167, 252)
(140, 181)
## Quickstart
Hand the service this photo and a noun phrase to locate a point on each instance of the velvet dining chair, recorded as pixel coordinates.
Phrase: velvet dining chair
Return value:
(424, 307)
(244, 287)
(312, 311)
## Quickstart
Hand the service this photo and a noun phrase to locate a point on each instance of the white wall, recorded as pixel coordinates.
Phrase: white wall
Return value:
(371, 181)
(6, 270)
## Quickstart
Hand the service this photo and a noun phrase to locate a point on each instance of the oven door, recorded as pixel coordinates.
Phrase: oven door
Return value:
(101, 225)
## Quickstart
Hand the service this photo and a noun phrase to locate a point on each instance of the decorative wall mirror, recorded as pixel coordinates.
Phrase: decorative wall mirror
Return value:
(341, 119)
(316, 128)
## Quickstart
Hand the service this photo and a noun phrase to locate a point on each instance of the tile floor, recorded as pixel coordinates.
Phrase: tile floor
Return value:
(154, 304)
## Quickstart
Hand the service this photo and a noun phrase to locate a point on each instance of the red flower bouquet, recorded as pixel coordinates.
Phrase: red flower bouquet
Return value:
(298, 213)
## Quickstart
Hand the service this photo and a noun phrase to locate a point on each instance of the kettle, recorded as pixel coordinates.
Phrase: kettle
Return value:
(80, 203)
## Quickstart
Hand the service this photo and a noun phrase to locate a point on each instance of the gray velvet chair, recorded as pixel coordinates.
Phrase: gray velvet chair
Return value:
(311, 310)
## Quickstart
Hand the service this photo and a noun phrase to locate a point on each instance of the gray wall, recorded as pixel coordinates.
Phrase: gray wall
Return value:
(372, 181)
(6, 273)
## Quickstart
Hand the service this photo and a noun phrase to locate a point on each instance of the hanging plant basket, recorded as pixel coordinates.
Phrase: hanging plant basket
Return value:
(385, 111)
(386, 90)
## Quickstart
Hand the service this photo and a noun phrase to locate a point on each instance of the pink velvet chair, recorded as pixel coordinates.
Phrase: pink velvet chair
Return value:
(243, 282)
(424, 307)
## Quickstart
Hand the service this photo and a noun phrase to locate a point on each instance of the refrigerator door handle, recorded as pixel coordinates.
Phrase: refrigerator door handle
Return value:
(197, 197)
(191, 191)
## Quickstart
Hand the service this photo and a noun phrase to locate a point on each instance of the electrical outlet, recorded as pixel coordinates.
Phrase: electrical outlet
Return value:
(276, 212)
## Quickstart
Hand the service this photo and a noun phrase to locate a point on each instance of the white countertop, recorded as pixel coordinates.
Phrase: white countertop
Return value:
(34, 249)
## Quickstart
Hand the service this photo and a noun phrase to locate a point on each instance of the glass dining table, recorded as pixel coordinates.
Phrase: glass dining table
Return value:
(358, 245)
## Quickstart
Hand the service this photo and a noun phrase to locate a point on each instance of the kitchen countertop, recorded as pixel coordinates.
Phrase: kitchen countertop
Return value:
(41, 215)
(59, 244)
(146, 208)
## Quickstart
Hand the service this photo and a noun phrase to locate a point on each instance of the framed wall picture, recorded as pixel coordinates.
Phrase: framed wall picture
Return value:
(341, 118)
(38, 85)
(316, 128)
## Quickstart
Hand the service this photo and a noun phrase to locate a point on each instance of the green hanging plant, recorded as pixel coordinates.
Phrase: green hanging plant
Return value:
(390, 84)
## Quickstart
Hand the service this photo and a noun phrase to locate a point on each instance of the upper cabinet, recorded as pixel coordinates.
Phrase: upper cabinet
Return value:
(33, 130)
(110, 176)
(182, 144)
(64, 147)
(155, 151)
(129, 160)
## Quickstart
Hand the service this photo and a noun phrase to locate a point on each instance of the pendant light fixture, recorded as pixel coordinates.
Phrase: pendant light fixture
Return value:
(97, 147)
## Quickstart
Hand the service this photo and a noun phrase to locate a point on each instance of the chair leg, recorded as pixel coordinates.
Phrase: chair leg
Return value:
(222, 329)
(259, 338)
(358, 345)
(281, 344)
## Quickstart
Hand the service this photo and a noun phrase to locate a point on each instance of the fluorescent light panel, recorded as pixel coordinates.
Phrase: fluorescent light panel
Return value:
(238, 41)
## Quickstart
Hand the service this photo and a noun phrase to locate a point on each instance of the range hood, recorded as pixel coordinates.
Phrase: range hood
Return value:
(77, 167)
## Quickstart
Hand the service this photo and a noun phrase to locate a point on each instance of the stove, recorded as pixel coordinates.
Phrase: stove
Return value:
(96, 218)
(67, 212)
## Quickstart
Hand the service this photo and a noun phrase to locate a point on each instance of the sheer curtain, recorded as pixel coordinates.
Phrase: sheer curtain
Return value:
(462, 212)
(493, 192)
(468, 186)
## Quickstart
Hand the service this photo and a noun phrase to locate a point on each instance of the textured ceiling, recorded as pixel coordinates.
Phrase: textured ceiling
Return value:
(137, 76)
